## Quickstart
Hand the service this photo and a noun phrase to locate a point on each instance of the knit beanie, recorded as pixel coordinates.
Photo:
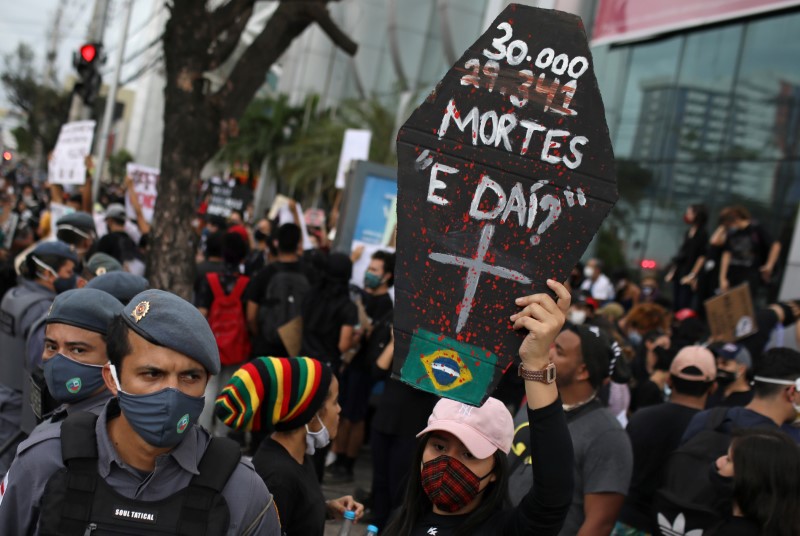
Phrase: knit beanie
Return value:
(274, 393)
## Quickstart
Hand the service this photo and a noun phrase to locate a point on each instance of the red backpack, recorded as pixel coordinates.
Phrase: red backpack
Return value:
(227, 321)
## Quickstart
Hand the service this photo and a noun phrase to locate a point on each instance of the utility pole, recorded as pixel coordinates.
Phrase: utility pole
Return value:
(111, 100)
(97, 26)
(52, 48)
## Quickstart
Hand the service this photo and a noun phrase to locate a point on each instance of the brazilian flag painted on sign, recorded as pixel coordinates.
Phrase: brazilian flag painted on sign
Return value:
(448, 368)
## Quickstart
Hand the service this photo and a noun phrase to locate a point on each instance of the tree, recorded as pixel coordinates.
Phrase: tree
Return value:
(45, 107)
(118, 163)
(198, 120)
(314, 155)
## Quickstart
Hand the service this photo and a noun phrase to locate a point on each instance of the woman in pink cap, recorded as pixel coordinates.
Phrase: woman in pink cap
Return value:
(461, 485)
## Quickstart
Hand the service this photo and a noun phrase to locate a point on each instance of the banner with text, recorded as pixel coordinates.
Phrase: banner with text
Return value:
(67, 164)
(505, 173)
(145, 184)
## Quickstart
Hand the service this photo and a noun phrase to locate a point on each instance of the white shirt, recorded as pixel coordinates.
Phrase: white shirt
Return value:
(601, 289)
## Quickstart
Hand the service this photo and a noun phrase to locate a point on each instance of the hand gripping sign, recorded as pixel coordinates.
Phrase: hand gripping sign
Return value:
(505, 173)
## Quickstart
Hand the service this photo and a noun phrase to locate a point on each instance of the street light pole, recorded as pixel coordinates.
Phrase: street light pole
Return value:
(111, 99)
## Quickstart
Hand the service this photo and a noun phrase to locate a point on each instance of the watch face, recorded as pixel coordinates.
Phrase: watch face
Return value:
(550, 373)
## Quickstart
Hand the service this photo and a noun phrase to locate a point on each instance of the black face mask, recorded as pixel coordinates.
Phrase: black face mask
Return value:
(725, 377)
(723, 485)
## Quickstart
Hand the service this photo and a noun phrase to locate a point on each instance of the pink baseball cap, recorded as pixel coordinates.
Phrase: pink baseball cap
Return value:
(698, 357)
(483, 430)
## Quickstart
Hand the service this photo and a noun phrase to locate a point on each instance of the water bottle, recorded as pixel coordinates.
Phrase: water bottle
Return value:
(349, 517)
(372, 530)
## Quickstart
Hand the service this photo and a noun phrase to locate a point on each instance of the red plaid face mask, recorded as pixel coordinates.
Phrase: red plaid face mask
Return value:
(449, 484)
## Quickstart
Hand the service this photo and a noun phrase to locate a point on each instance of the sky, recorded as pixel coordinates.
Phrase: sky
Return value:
(31, 21)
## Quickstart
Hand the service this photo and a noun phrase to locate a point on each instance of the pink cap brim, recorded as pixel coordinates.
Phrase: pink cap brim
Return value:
(477, 444)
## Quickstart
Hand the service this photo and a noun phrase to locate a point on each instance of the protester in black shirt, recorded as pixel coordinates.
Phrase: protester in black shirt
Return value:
(764, 466)
(734, 374)
(692, 249)
(468, 445)
(213, 260)
(329, 316)
(357, 375)
(656, 431)
(296, 399)
(117, 242)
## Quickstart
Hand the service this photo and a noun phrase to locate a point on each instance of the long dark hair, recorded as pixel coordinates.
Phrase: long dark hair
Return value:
(416, 504)
(766, 480)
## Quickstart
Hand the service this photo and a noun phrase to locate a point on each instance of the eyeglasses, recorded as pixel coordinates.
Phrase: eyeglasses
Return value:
(795, 383)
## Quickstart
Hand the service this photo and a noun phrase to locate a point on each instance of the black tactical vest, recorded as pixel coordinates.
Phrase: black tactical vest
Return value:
(77, 501)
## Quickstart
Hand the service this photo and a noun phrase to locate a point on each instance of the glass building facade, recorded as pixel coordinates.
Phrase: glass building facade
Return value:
(709, 115)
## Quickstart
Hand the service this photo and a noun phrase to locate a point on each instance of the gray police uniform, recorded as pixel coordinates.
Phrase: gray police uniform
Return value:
(20, 308)
(248, 499)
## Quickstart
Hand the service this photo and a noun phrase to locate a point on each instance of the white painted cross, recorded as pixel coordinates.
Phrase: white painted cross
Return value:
(475, 267)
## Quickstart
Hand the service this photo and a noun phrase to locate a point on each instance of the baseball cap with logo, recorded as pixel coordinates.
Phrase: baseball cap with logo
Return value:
(732, 351)
(694, 363)
(483, 430)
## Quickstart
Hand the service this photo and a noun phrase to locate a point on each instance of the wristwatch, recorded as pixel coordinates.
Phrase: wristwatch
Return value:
(546, 375)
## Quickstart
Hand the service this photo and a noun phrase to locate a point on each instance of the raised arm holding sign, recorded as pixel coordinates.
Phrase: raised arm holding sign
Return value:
(506, 172)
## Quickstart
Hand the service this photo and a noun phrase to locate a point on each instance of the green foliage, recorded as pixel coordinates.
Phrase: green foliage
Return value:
(117, 163)
(610, 248)
(24, 140)
(46, 107)
(315, 152)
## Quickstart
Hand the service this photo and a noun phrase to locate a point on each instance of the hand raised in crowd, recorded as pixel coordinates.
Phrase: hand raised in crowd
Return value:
(543, 318)
(337, 507)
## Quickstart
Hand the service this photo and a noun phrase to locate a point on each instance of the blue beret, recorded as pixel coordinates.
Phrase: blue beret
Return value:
(56, 248)
(82, 221)
(170, 321)
(84, 308)
(122, 285)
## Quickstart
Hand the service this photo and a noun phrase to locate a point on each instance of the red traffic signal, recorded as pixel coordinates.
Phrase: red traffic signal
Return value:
(89, 52)
(648, 264)
(7, 155)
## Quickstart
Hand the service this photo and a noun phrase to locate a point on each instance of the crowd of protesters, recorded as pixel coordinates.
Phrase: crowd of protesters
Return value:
(651, 425)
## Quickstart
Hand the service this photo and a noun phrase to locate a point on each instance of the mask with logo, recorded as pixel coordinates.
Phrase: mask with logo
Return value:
(372, 281)
(70, 381)
(160, 418)
(317, 440)
(449, 484)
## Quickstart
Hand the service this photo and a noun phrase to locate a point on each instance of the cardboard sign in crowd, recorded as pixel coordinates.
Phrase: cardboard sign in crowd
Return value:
(505, 173)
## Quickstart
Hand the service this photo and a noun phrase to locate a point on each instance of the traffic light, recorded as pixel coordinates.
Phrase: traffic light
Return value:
(87, 62)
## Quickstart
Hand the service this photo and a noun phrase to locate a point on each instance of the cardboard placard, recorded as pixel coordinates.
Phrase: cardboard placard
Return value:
(145, 184)
(730, 315)
(67, 164)
(505, 173)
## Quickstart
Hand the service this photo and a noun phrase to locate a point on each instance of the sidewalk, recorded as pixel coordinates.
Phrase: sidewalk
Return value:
(363, 479)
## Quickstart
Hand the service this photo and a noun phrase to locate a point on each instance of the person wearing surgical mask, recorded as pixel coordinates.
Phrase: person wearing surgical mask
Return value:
(296, 400)
(596, 283)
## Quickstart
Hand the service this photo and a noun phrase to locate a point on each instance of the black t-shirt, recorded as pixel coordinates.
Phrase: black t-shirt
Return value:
(403, 410)
(379, 310)
(204, 268)
(655, 432)
(321, 338)
(647, 393)
(295, 487)
(740, 398)
(748, 247)
(540, 512)
(119, 245)
(691, 248)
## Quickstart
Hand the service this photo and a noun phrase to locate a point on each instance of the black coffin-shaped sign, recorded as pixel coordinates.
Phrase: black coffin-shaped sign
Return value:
(505, 173)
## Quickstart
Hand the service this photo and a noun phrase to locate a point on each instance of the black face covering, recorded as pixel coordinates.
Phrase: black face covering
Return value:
(725, 377)
(723, 485)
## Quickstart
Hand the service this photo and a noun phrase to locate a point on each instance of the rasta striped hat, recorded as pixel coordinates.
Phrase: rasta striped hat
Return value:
(274, 393)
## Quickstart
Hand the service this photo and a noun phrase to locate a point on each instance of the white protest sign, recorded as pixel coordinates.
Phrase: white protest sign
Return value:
(145, 180)
(354, 147)
(67, 164)
(285, 215)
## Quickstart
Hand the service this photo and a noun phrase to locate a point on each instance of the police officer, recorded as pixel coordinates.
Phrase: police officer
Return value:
(75, 350)
(49, 269)
(141, 466)
(77, 229)
(122, 285)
